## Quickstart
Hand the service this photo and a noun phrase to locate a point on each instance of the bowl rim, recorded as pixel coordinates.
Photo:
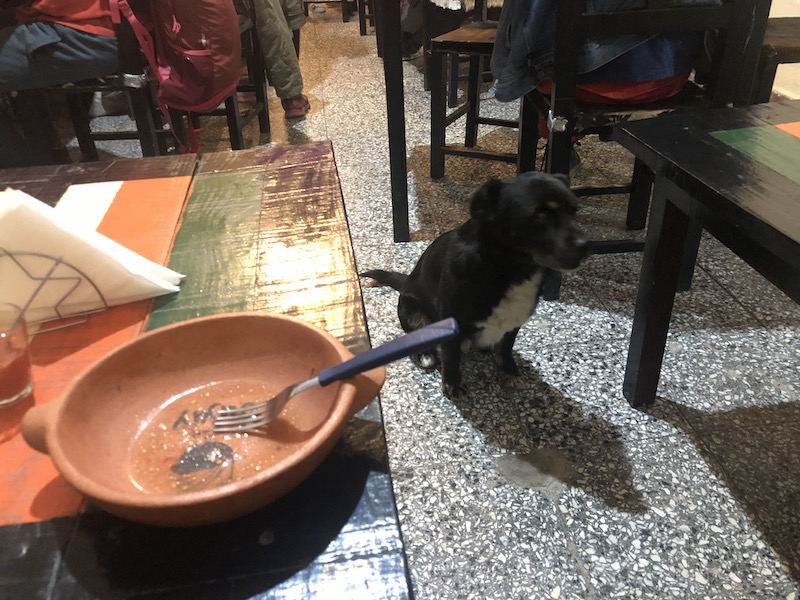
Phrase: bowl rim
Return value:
(88, 486)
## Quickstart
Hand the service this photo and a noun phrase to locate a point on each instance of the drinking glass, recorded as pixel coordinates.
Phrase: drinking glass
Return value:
(15, 362)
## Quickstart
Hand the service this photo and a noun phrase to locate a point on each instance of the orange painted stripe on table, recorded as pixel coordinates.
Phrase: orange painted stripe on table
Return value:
(790, 128)
(144, 217)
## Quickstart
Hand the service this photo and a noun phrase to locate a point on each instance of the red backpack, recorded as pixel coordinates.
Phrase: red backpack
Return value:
(193, 49)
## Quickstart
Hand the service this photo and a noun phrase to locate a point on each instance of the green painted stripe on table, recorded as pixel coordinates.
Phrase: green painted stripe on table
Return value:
(216, 248)
(778, 150)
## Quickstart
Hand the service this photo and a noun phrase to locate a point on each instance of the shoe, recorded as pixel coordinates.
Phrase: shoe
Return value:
(106, 104)
(296, 107)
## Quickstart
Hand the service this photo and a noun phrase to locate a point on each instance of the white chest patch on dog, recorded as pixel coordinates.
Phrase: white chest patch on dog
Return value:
(511, 312)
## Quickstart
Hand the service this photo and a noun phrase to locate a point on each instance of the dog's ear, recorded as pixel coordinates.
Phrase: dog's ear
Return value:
(484, 200)
(562, 178)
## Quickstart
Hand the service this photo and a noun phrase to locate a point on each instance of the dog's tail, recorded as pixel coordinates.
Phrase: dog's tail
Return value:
(391, 278)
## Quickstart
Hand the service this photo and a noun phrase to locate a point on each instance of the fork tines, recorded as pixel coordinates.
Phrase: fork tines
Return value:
(245, 418)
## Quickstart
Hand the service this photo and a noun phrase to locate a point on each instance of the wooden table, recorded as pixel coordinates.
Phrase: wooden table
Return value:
(262, 229)
(736, 174)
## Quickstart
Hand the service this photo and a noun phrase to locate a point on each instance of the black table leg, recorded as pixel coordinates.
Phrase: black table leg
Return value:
(389, 27)
(661, 264)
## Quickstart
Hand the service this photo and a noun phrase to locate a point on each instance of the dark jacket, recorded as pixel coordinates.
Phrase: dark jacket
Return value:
(523, 50)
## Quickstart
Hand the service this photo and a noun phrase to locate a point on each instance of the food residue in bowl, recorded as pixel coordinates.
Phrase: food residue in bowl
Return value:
(176, 450)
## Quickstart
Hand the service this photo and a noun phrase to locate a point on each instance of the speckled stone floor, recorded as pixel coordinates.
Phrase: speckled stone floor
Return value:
(563, 490)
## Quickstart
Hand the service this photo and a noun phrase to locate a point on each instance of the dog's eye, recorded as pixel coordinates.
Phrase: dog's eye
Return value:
(551, 205)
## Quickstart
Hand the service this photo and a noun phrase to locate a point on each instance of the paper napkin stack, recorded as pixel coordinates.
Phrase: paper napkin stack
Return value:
(59, 265)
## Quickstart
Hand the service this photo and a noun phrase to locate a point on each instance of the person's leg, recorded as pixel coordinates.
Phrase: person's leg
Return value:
(280, 59)
(39, 55)
(295, 16)
(36, 56)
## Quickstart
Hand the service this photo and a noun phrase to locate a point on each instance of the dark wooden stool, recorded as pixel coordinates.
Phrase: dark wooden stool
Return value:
(781, 46)
(475, 41)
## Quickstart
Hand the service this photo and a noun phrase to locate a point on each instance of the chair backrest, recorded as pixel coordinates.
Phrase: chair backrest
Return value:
(739, 24)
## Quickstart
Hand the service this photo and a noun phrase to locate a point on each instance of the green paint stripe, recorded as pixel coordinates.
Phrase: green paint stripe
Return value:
(216, 248)
(776, 149)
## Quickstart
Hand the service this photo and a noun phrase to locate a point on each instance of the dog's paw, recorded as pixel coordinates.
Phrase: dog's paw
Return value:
(454, 392)
(427, 361)
(516, 382)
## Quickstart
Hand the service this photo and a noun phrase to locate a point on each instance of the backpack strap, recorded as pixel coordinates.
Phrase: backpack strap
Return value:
(148, 46)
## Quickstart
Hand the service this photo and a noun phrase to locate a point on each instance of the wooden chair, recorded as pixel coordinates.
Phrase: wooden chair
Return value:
(133, 79)
(728, 80)
(781, 46)
(474, 40)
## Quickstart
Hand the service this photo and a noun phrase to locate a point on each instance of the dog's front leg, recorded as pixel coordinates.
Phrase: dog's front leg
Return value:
(451, 370)
(505, 360)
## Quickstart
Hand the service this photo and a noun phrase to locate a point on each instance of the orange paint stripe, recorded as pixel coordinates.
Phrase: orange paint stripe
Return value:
(791, 128)
(144, 217)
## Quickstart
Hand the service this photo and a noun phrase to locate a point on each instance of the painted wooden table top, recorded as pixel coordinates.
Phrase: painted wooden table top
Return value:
(262, 230)
(743, 163)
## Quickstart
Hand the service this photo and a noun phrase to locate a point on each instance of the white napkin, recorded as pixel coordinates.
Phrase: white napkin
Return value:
(65, 266)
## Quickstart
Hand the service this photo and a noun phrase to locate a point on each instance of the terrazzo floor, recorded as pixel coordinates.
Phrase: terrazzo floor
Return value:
(563, 490)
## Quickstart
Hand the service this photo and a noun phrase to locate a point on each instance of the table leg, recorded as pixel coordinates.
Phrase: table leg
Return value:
(661, 263)
(389, 26)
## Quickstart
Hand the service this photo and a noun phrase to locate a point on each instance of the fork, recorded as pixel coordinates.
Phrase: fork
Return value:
(254, 416)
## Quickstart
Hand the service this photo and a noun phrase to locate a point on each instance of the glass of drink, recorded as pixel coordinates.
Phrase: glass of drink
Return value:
(15, 363)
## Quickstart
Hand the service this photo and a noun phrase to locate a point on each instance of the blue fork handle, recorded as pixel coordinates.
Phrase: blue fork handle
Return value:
(410, 343)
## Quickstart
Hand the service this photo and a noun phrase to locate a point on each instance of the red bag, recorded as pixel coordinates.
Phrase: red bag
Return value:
(194, 52)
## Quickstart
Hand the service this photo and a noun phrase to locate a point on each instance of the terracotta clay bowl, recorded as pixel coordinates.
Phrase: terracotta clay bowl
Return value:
(134, 431)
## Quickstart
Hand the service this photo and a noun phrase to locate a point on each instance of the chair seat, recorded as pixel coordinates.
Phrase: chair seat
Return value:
(781, 46)
(596, 118)
(471, 38)
(782, 36)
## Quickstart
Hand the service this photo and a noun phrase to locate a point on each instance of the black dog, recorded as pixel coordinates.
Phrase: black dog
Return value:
(488, 273)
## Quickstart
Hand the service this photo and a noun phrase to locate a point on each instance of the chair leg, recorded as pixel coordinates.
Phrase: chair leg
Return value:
(79, 114)
(551, 286)
(474, 100)
(362, 17)
(234, 117)
(639, 199)
(427, 35)
(559, 147)
(765, 77)
(438, 109)
(255, 74)
(528, 136)
(689, 256)
(377, 7)
(142, 108)
(33, 111)
(452, 88)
